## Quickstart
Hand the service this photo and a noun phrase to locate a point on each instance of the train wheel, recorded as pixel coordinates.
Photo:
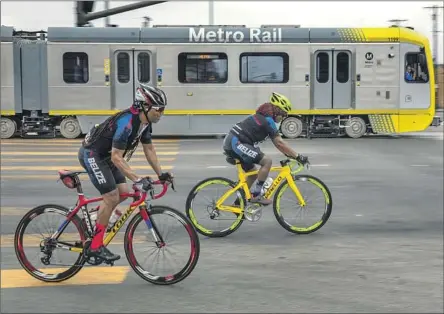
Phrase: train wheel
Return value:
(291, 127)
(8, 127)
(356, 127)
(70, 128)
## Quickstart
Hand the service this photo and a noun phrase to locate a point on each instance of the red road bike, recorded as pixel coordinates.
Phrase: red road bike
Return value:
(76, 243)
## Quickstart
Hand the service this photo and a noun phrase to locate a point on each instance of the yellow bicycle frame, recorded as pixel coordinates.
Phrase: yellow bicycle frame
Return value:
(284, 173)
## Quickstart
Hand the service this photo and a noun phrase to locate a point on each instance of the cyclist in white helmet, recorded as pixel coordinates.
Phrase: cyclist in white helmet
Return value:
(103, 154)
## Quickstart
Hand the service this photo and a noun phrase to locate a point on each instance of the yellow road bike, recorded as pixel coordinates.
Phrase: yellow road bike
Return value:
(284, 181)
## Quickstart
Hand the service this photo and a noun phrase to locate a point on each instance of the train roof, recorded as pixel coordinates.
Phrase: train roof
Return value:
(270, 34)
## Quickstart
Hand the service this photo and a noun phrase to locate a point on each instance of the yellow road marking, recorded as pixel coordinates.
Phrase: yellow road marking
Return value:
(21, 211)
(19, 278)
(34, 240)
(34, 160)
(55, 168)
(16, 153)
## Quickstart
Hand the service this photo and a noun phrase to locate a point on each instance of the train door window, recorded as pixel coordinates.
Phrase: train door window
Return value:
(75, 67)
(322, 67)
(143, 62)
(342, 67)
(264, 67)
(415, 68)
(123, 67)
(203, 67)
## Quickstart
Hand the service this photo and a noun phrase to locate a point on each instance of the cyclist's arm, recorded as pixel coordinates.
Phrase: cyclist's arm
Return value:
(118, 160)
(120, 138)
(151, 157)
(283, 147)
(150, 151)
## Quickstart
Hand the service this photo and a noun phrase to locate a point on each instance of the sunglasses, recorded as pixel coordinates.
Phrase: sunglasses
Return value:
(158, 109)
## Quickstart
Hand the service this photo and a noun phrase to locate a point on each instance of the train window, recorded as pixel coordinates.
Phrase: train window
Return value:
(342, 67)
(203, 67)
(123, 67)
(322, 67)
(269, 67)
(415, 68)
(143, 61)
(75, 67)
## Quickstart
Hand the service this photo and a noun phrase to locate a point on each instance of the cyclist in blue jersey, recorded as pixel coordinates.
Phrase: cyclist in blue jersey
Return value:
(103, 154)
(242, 142)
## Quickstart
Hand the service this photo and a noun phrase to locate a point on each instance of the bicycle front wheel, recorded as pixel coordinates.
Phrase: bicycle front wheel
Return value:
(48, 252)
(186, 240)
(201, 203)
(317, 197)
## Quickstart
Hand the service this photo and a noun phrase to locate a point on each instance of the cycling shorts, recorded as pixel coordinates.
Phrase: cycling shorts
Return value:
(103, 174)
(246, 153)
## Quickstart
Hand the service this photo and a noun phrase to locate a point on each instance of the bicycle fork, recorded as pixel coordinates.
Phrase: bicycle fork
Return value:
(151, 226)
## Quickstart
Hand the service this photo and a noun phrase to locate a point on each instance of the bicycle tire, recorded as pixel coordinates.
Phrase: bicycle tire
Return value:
(195, 243)
(328, 207)
(18, 244)
(190, 214)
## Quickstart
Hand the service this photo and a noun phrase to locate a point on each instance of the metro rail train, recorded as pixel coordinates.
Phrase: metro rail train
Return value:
(341, 81)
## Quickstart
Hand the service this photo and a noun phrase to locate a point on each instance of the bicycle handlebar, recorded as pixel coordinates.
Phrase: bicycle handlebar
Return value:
(142, 196)
(291, 161)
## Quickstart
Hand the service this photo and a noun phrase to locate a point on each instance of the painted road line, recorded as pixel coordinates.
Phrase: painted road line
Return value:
(46, 153)
(34, 240)
(34, 160)
(419, 166)
(21, 211)
(72, 168)
(97, 275)
(14, 211)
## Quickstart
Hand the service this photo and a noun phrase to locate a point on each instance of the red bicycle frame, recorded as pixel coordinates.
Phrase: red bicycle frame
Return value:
(139, 198)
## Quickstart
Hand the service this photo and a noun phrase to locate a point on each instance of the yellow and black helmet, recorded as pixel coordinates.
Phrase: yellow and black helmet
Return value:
(280, 101)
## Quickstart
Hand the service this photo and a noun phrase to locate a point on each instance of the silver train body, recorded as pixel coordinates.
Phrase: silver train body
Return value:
(340, 81)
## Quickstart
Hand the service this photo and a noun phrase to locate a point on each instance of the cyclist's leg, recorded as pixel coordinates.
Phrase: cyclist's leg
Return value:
(250, 155)
(102, 178)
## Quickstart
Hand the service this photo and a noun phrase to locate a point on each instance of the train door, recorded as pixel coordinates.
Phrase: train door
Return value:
(131, 67)
(332, 79)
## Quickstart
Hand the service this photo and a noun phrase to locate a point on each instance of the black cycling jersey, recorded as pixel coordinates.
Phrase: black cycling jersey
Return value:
(255, 129)
(121, 131)
(241, 142)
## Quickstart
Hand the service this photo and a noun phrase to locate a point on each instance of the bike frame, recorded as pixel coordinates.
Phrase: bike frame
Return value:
(285, 172)
(139, 201)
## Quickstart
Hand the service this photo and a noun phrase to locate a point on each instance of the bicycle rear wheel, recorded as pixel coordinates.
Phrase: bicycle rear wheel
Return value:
(208, 205)
(325, 204)
(70, 240)
(189, 241)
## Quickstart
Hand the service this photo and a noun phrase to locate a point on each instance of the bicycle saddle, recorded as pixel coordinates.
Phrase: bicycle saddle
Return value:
(69, 173)
(231, 160)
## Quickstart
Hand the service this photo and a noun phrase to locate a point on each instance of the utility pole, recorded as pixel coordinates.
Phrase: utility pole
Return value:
(435, 30)
(211, 12)
(107, 23)
(397, 21)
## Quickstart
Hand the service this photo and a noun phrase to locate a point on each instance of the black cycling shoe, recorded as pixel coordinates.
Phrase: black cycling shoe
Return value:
(103, 253)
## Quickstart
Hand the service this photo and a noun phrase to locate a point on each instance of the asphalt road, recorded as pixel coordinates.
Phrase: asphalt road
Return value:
(381, 250)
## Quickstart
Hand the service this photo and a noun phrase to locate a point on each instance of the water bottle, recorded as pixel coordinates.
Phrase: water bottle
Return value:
(114, 217)
(93, 216)
(267, 184)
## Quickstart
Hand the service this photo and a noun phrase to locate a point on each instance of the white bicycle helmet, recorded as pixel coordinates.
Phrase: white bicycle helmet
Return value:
(149, 96)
